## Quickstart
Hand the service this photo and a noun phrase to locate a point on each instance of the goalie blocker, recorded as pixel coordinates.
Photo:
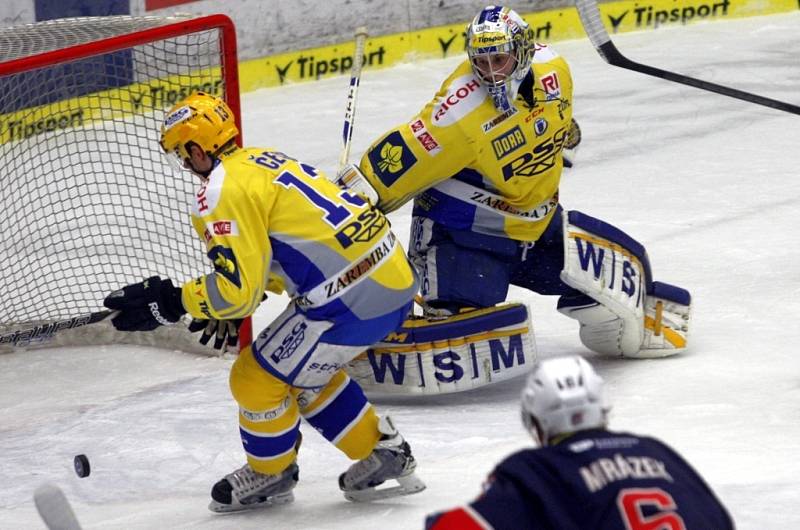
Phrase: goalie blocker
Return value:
(460, 352)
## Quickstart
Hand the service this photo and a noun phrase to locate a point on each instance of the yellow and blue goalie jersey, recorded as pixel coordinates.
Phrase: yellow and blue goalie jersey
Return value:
(272, 222)
(481, 170)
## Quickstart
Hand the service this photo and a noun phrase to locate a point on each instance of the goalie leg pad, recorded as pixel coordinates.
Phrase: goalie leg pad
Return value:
(460, 352)
(623, 311)
(613, 270)
(601, 330)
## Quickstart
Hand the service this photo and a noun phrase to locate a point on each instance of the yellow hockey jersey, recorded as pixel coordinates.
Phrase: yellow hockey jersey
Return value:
(272, 222)
(480, 169)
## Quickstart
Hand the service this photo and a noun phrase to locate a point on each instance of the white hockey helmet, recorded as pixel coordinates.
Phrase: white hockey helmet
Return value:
(562, 395)
(498, 30)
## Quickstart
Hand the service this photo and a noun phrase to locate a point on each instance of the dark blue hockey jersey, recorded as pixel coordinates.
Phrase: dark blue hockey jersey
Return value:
(592, 480)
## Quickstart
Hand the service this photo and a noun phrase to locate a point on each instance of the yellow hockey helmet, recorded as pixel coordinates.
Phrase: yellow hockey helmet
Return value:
(201, 118)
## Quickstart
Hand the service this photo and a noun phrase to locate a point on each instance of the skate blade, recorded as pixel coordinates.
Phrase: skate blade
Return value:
(407, 485)
(275, 500)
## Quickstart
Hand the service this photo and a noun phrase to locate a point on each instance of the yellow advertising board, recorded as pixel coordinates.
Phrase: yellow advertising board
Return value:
(380, 51)
(446, 41)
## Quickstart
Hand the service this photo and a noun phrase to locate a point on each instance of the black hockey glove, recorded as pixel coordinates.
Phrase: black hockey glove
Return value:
(226, 332)
(146, 305)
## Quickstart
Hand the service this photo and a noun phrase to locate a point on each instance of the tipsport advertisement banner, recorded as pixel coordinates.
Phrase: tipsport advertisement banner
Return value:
(450, 40)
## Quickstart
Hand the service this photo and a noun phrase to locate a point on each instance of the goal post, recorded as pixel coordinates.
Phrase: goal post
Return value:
(87, 201)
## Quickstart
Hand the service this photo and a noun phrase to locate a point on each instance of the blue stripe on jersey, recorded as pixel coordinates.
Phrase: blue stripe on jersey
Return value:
(445, 209)
(335, 311)
(262, 445)
(300, 270)
(366, 332)
(471, 177)
(340, 412)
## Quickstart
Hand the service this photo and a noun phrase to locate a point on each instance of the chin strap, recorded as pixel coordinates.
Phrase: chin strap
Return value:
(504, 94)
(499, 96)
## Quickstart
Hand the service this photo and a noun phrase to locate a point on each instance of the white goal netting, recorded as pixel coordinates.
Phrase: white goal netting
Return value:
(87, 201)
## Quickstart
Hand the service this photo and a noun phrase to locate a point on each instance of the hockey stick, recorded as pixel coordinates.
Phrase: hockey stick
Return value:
(54, 508)
(590, 18)
(355, 79)
(42, 334)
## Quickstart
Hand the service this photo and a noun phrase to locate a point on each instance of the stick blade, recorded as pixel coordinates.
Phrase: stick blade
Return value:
(54, 508)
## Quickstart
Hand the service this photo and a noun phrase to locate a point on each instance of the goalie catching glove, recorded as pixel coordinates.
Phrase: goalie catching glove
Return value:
(146, 305)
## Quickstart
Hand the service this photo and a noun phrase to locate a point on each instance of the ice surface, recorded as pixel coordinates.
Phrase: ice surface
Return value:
(709, 184)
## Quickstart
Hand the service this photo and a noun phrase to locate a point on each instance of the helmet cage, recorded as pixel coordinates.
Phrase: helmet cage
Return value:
(176, 159)
(500, 30)
(483, 66)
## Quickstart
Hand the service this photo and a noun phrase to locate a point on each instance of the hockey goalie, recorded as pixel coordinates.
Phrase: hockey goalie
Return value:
(482, 162)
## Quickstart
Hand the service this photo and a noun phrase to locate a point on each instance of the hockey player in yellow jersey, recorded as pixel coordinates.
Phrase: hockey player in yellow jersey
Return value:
(271, 222)
(482, 162)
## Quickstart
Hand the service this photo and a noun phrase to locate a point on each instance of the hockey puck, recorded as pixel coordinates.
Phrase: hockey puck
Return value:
(81, 464)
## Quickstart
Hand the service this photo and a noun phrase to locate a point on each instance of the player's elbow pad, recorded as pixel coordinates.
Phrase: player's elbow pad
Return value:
(352, 179)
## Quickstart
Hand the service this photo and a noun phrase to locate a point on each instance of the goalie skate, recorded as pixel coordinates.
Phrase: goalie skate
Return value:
(247, 489)
(390, 460)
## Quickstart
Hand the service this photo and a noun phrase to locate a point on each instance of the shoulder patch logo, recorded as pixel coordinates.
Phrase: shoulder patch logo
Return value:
(222, 228)
(551, 85)
(424, 137)
(391, 158)
(540, 126)
(225, 264)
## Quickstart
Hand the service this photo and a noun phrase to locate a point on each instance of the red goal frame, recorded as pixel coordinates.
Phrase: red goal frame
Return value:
(230, 72)
(229, 69)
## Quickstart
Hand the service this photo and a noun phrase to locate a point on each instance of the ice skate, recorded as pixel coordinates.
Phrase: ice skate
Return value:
(246, 489)
(390, 460)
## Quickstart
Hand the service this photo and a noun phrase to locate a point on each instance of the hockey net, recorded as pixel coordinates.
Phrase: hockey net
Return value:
(88, 203)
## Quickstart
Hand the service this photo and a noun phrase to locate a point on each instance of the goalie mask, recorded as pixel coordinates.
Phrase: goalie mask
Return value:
(202, 119)
(500, 48)
(562, 395)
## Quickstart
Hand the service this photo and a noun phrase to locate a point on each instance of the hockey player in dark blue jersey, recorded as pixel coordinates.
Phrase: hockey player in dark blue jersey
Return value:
(585, 477)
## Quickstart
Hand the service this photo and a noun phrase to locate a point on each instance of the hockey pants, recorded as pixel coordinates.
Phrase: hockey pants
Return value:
(466, 269)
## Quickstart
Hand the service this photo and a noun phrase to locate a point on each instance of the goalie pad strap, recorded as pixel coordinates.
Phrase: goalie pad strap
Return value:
(666, 321)
(421, 331)
(457, 353)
